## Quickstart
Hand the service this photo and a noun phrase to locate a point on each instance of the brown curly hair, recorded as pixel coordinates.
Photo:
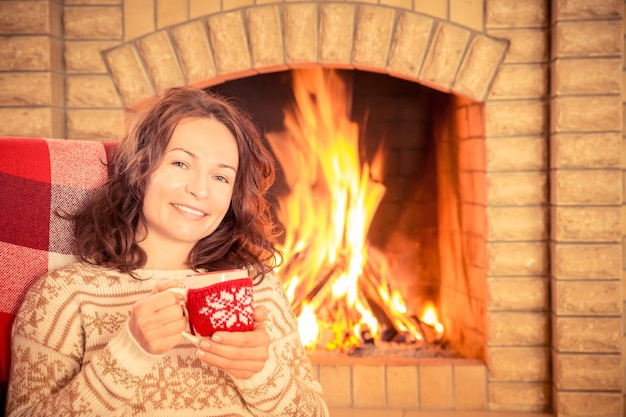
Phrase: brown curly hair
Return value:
(106, 227)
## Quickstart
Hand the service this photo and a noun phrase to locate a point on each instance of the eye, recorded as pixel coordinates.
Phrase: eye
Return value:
(222, 179)
(179, 164)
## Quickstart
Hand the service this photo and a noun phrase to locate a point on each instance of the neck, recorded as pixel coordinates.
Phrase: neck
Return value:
(166, 257)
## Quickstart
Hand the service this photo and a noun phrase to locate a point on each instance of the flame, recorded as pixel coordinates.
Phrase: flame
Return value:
(307, 326)
(429, 316)
(331, 200)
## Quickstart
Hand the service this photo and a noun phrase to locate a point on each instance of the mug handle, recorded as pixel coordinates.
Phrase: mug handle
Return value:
(190, 337)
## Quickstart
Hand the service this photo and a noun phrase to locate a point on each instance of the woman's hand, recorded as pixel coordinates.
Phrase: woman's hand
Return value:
(240, 354)
(157, 321)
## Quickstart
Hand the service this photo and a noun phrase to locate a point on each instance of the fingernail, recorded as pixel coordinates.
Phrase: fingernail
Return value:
(200, 353)
(216, 338)
(205, 345)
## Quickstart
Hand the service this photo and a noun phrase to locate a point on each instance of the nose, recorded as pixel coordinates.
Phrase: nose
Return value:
(198, 185)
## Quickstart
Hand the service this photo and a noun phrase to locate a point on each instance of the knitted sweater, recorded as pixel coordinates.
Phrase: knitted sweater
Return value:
(73, 355)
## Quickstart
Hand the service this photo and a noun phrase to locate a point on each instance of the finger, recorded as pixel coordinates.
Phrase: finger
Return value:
(165, 328)
(232, 366)
(160, 343)
(160, 281)
(157, 310)
(172, 312)
(238, 345)
(160, 323)
(256, 337)
(160, 331)
(228, 354)
(164, 299)
(164, 284)
(260, 313)
(229, 359)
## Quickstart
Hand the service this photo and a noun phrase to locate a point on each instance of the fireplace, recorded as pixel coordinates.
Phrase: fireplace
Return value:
(544, 80)
(428, 232)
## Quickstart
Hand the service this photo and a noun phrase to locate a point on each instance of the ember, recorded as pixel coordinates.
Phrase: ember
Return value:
(337, 284)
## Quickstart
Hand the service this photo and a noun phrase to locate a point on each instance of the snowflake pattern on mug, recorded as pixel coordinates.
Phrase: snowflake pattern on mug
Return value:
(223, 306)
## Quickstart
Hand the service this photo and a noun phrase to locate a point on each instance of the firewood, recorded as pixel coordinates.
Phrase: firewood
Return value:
(372, 281)
(317, 288)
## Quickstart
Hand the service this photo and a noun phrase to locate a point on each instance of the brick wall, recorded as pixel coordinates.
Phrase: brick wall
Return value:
(586, 208)
(549, 75)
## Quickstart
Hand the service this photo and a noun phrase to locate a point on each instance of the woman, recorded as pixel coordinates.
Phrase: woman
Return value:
(102, 337)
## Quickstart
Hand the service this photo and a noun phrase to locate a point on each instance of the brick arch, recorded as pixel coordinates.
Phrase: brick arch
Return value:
(228, 45)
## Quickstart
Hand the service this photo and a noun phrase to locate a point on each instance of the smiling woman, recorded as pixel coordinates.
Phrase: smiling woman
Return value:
(189, 192)
(185, 194)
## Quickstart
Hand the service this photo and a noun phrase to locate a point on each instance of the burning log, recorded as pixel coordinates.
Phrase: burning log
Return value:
(366, 335)
(428, 331)
(338, 335)
(321, 284)
(372, 282)
(383, 312)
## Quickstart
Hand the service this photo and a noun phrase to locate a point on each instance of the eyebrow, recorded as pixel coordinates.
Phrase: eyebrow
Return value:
(196, 157)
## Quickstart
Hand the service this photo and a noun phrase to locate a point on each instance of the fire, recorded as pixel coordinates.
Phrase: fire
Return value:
(429, 316)
(333, 195)
(308, 326)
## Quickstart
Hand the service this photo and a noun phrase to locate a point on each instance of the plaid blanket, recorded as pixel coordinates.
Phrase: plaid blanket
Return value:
(39, 178)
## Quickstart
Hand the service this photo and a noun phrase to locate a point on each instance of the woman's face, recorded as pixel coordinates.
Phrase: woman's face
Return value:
(189, 192)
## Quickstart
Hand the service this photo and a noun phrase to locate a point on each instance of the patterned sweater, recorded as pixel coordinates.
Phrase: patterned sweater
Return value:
(73, 355)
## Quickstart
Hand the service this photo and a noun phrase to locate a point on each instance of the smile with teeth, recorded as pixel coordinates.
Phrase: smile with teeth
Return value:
(189, 210)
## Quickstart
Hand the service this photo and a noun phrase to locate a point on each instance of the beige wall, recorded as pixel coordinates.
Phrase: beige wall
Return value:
(55, 82)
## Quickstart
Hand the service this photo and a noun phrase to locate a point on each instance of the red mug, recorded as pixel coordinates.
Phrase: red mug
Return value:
(217, 301)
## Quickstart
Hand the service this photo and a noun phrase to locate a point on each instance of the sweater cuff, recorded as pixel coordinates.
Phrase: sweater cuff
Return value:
(130, 355)
(260, 377)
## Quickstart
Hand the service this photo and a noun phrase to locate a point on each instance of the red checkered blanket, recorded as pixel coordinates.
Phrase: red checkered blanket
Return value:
(38, 179)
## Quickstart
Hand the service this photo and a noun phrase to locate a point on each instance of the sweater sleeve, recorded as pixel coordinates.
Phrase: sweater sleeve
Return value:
(49, 370)
(286, 386)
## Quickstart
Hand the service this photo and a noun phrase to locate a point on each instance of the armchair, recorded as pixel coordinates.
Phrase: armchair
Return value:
(38, 179)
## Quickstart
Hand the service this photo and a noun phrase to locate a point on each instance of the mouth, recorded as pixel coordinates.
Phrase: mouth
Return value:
(190, 210)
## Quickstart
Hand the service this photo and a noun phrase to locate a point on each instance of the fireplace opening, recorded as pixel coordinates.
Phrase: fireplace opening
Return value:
(416, 164)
